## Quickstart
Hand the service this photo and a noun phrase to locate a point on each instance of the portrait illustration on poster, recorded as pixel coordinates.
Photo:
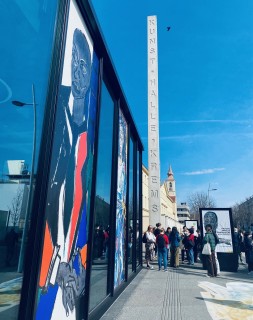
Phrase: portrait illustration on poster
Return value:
(220, 220)
(62, 276)
(191, 224)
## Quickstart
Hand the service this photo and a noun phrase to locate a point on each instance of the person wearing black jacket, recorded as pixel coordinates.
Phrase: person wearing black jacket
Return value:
(197, 247)
(156, 232)
(249, 250)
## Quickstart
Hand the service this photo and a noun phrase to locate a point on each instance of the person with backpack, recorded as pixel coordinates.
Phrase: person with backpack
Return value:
(198, 245)
(162, 242)
(174, 247)
(184, 251)
(149, 240)
(190, 245)
(167, 232)
(157, 231)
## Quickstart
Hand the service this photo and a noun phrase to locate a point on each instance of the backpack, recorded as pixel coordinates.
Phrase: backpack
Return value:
(189, 244)
(144, 238)
(160, 242)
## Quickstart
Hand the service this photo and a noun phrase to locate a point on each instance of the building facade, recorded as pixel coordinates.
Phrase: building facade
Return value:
(64, 112)
(167, 198)
(183, 212)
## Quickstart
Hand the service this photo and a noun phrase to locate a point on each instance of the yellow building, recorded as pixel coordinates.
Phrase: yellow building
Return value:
(167, 198)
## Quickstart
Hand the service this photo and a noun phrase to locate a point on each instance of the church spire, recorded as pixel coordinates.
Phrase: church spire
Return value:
(171, 184)
(170, 173)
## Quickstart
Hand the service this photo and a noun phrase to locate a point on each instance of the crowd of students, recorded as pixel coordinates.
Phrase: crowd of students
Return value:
(166, 246)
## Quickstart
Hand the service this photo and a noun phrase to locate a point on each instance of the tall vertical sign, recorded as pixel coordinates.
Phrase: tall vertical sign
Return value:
(153, 124)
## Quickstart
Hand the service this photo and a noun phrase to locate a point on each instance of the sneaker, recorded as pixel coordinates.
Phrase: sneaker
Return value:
(250, 272)
(151, 268)
(165, 270)
(159, 269)
(207, 276)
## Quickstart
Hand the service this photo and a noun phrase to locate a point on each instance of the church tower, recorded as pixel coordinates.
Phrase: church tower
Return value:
(171, 184)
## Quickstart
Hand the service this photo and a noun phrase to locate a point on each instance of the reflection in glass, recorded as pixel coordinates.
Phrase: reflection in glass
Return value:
(23, 62)
(31, 181)
(101, 233)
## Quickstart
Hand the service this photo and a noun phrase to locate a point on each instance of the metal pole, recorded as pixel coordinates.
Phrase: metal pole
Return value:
(30, 194)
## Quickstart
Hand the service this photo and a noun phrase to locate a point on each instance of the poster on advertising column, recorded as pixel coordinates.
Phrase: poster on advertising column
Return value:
(221, 221)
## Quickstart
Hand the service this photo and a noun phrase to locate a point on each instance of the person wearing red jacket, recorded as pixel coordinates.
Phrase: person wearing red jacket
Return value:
(162, 242)
(190, 244)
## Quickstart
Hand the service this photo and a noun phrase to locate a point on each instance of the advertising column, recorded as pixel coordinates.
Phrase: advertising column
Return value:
(153, 124)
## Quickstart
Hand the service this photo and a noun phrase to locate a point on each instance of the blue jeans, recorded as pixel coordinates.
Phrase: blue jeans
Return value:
(162, 257)
(191, 256)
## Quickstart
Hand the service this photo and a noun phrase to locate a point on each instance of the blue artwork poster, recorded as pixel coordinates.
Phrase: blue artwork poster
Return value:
(120, 250)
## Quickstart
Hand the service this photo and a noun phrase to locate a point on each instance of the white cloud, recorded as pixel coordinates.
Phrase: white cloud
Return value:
(212, 135)
(203, 171)
(249, 121)
(185, 137)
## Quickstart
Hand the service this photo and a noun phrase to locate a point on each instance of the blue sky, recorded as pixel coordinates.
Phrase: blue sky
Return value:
(205, 88)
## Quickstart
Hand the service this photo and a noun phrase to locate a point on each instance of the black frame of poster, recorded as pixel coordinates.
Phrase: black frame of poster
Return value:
(228, 260)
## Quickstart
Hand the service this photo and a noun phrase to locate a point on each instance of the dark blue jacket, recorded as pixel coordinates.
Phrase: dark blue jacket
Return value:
(174, 239)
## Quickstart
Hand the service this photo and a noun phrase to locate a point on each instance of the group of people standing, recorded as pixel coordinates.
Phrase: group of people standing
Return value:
(243, 242)
(166, 245)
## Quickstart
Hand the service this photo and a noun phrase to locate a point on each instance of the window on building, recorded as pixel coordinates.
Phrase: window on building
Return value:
(27, 31)
(100, 253)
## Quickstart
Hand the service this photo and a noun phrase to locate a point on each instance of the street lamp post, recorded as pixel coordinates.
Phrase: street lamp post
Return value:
(29, 201)
(213, 189)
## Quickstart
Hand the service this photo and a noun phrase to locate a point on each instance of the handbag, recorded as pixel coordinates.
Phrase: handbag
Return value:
(206, 249)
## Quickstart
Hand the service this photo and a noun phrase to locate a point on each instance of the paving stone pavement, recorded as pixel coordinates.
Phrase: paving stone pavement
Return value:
(175, 295)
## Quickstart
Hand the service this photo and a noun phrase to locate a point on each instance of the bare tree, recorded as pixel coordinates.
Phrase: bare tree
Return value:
(199, 200)
(15, 207)
(243, 213)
